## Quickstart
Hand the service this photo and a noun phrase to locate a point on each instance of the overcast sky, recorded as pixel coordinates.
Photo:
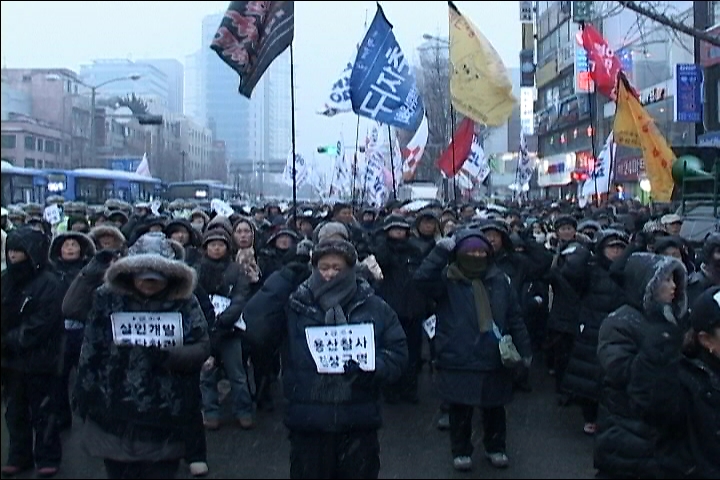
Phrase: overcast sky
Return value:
(38, 34)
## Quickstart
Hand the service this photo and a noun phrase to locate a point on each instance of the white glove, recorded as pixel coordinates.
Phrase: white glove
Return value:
(447, 243)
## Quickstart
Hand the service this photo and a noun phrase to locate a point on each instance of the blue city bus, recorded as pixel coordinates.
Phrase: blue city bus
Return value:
(199, 191)
(23, 185)
(96, 185)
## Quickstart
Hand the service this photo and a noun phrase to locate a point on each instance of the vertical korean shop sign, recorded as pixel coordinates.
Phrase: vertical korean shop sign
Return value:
(688, 93)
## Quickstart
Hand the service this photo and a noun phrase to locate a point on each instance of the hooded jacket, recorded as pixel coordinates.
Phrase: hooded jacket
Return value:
(67, 271)
(317, 402)
(78, 299)
(134, 392)
(32, 324)
(625, 441)
(192, 252)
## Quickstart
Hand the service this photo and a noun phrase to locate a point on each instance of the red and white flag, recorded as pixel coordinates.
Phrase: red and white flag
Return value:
(414, 150)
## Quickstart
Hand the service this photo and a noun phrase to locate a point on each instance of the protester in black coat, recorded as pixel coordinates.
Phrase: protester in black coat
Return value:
(398, 259)
(333, 418)
(679, 394)
(655, 289)
(31, 341)
(600, 294)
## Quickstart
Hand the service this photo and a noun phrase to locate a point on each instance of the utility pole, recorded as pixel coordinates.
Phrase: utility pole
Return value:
(701, 21)
(93, 134)
(182, 154)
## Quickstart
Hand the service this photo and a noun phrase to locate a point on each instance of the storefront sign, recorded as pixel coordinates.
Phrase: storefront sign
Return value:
(629, 169)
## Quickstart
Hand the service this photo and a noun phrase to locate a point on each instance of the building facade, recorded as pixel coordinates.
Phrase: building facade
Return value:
(175, 74)
(152, 86)
(31, 143)
(571, 122)
(55, 98)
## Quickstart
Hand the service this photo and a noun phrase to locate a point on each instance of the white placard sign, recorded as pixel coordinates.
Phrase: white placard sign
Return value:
(219, 303)
(429, 326)
(148, 329)
(155, 207)
(221, 208)
(52, 214)
(332, 346)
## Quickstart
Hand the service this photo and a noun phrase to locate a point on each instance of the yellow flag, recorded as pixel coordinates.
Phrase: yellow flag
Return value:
(480, 87)
(634, 127)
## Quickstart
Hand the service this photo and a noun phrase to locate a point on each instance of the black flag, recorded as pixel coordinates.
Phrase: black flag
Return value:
(251, 36)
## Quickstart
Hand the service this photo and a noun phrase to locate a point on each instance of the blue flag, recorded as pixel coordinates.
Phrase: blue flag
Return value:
(382, 83)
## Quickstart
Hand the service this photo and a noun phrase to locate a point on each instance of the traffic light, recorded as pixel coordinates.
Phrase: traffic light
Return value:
(145, 119)
(582, 11)
(330, 149)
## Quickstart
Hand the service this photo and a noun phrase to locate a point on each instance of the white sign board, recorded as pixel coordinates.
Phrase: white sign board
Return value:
(221, 208)
(147, 329)
(53, 214)
(219, 303)
(429, 325)
(333, 346)
(526, 12)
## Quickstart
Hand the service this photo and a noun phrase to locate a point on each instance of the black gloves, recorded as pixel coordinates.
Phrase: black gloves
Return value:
(359, 377)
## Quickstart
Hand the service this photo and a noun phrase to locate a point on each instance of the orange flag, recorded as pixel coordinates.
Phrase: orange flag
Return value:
(635, 128)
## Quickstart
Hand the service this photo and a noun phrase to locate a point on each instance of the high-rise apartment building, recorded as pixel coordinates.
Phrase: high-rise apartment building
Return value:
(175, 75)
(257, 132)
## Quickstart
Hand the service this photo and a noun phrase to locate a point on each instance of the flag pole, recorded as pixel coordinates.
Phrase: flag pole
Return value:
(593, 104)
(392, 162)
(452, 142)
(355, 160)
(294, 143)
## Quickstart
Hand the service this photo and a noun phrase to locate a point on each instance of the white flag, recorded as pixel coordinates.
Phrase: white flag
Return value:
(600, 174)
(144, 167)
(414, 150)
(339, 99)
(525, 169)
(301, 173)
(476, 167)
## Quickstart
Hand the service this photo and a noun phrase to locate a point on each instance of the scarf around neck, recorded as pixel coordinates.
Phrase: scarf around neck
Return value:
(332, 295)
(482, 300)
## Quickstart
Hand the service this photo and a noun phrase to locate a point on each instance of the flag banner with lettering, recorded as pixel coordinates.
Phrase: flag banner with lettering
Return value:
(525, 168)
(382, 82)
(605, 65)
(338, 101)
(374, 187)
(452, 160)
(414, 150)
(301, 170)
(635, 128)
(599, 179)
(480, 86)
(476, 166)
(251, 36)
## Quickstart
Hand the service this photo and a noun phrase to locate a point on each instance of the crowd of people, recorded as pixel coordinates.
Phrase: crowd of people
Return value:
(122, 321)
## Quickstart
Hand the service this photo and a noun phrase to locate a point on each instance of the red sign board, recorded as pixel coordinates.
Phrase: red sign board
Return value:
(629, 169)
(710, 54)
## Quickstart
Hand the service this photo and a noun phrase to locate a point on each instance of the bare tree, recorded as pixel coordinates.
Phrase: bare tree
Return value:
(433, 80)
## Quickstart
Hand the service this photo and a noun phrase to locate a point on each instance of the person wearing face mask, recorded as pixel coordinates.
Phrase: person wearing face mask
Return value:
(476, 307)
(199, 220)
(709, 273)
(31, 342)
(70, 252)
(655, 293)
(333, 410)
(676, 386)
(278, 251)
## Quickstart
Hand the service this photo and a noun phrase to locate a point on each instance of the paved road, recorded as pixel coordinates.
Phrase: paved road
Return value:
(544, 441)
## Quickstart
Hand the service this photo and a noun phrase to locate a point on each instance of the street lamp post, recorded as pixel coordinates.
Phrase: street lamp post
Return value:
(182, 154)
(93, 100)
